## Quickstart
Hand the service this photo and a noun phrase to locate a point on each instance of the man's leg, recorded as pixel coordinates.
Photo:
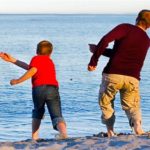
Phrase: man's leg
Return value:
(138, 127)
(108, 90)
(130, 99)
(110, 131)
(135, 119)
(35, 128)
(108, 116)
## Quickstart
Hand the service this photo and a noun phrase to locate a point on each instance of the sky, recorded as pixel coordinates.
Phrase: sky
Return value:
(73, 6)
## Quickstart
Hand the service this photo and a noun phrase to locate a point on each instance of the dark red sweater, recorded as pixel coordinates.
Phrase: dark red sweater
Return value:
(129, 51)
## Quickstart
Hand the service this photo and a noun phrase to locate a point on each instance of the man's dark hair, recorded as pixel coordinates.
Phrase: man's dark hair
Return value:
(143, 18)
(44, 48)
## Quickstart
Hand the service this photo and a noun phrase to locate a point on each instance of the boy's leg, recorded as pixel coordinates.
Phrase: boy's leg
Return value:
(54, 107)
(61, 127)
(38, 111)
(130, 99)
(108, 90)
(35, 128)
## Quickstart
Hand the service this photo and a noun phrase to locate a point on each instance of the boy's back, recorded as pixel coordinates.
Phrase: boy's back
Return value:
(46, 74)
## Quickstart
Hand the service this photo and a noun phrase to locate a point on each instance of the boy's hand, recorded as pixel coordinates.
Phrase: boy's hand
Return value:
(92, 48)
(14, 82)
(7, 57)
(91, 68)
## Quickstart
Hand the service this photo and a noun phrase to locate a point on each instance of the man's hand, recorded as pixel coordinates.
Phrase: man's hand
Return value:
(7, 57)
(92, 48)
(91, 68)
(14, 82)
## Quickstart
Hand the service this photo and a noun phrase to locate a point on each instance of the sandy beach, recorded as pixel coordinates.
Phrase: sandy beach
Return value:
(123, 142)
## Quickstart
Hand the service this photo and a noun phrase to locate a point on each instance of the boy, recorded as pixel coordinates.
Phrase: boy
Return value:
(45, 88)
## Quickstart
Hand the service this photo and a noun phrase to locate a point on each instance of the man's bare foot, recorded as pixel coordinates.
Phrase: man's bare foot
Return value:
(110, 131)
(140, 132)
(138, 128)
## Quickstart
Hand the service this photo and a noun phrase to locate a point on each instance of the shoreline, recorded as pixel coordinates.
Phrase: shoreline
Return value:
(122, 142)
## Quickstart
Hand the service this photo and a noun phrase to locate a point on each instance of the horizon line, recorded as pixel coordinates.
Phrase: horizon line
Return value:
(67, 13)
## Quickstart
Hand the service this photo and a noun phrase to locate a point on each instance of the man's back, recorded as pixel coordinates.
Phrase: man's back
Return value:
(129, 52)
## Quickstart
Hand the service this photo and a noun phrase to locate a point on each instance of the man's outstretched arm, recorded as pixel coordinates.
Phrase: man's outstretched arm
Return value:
(116, 34)
(8, 58)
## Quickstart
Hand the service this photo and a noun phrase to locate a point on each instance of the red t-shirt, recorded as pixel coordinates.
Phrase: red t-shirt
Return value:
(46, 74)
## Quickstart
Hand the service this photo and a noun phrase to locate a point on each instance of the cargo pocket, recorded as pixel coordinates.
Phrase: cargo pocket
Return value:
(134, 86)
(107, 94)
(136, 93)
(131, 97)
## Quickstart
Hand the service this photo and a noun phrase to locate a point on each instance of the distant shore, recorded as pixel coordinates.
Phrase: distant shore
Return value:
(124, 142)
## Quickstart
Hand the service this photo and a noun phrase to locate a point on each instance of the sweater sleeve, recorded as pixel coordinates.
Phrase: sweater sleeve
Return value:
(115, 34)
(108, 52)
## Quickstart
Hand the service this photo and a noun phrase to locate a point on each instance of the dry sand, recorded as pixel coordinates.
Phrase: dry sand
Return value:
(124, 142)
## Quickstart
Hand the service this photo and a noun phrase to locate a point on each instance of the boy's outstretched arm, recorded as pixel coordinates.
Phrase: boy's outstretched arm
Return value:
(31, 72)
(8, 58)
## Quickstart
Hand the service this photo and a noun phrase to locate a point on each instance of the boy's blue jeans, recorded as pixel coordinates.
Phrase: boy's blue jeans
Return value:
(48, 95)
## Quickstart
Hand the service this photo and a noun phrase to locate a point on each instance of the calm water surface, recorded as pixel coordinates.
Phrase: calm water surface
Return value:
(70, 35)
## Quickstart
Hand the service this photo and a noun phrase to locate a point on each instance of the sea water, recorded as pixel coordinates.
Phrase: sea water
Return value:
(70, 35)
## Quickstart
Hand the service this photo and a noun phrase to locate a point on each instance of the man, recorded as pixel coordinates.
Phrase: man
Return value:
(122, 73)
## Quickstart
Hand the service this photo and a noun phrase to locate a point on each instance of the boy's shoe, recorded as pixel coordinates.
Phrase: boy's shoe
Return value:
(60, 137)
